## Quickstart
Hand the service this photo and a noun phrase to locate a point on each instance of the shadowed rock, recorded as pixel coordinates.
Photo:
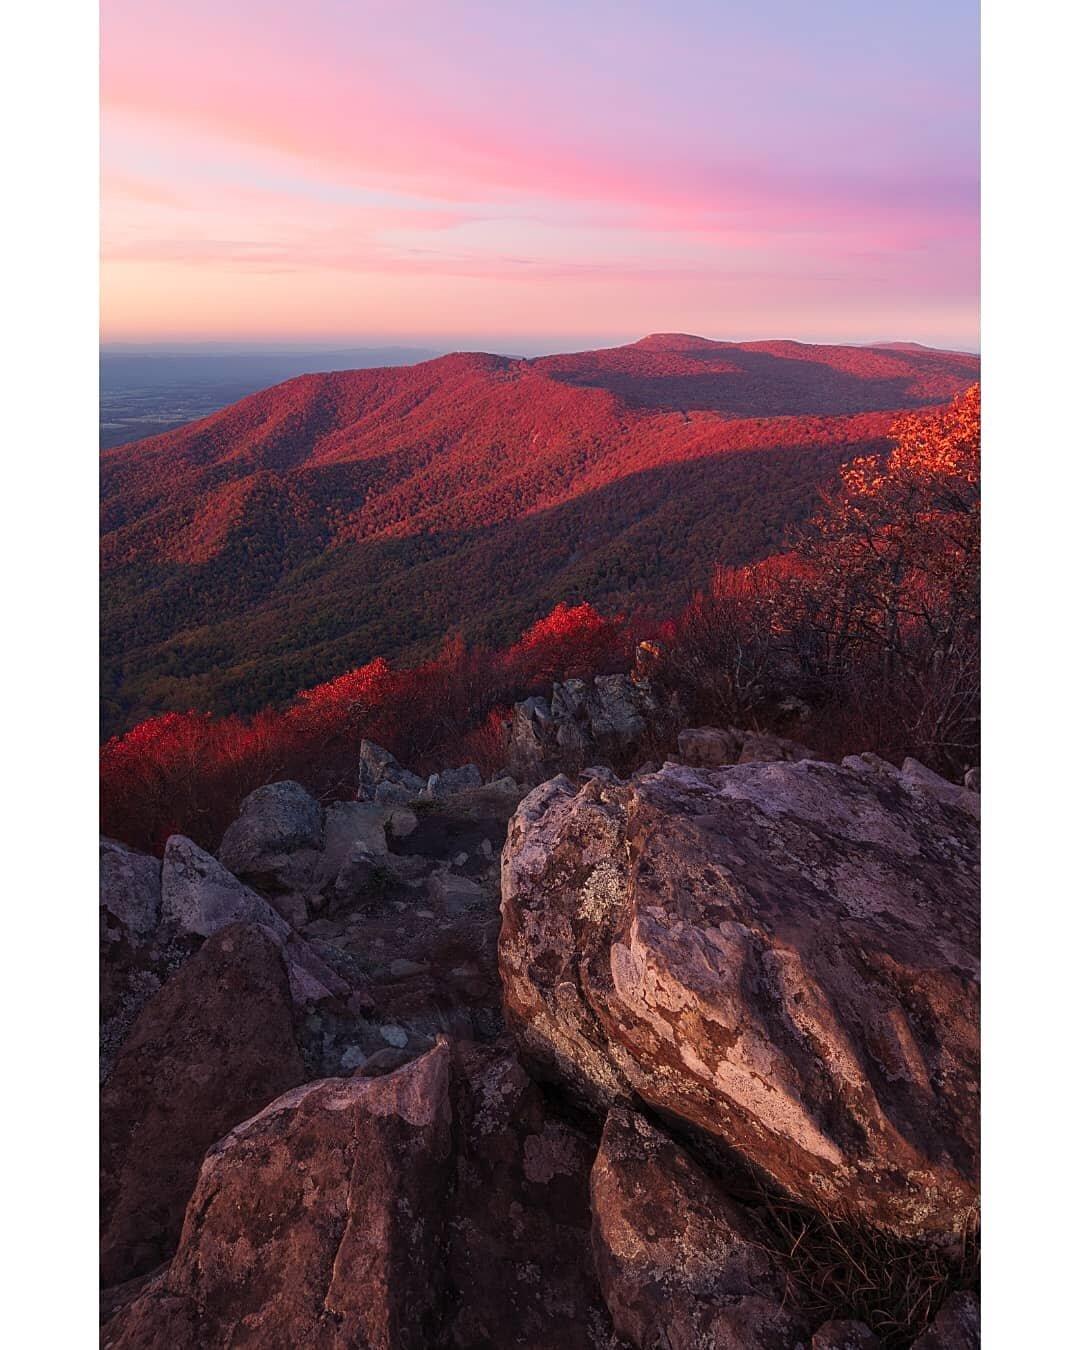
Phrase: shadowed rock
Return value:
(956, 1327)
(844, 1335)
(519, 1265)
(782, 955)
(212, 1047)
(680, 1265)
(319, 1222)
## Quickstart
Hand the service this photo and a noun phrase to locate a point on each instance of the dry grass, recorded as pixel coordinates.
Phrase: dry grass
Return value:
(842, 1268)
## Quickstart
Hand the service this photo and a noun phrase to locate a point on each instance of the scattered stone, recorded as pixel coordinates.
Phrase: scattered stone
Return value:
(401, 968)
(396, 1036)
(454, 894)
(973, 779)
(782, 955)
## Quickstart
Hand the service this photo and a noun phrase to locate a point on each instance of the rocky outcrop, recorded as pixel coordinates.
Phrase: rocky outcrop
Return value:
(210, 1049)
(605, 718)
(680, 1265)
(319, 1222)
(780, 956)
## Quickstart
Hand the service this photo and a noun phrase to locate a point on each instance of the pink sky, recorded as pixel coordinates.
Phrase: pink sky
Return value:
(433, 171)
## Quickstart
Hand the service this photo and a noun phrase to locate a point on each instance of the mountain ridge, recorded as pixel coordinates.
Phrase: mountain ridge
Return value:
(339, 516)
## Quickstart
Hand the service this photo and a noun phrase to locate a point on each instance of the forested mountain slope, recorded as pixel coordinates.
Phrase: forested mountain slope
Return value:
(333, 518)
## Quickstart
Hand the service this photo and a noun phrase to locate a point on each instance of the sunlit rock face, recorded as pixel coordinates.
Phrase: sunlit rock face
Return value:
(781, 955)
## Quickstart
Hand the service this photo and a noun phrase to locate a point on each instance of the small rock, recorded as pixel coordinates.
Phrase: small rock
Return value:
(401, 822)
(956, 1327)
(402, 968)
(384, 1061)
(460, 859)
(394, 1035)
(844, 1335)
(455, 894)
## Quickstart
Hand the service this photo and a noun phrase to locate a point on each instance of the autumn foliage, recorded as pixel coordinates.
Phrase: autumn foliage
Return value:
(865, 631)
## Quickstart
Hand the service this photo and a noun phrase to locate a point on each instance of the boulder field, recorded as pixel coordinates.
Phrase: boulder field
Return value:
(453, 1065)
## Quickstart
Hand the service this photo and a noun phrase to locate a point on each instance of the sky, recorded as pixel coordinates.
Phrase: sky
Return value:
(539, 175)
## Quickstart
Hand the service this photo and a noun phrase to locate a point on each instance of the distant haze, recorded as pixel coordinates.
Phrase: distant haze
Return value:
(458, 174)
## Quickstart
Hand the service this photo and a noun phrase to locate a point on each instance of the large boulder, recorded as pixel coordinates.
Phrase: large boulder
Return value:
(319, 1222)
(680, 1265)
(275, 822)
(211, 1048)
(782, 956)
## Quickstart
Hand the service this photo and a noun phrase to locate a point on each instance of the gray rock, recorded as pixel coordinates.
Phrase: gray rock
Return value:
(918, 778)
(200, 897)
(350, 823)
(956, 1327)
(973, 779)
(130, 886)
(378, 766)
(395, 794)
(455, 895)
(275, 821)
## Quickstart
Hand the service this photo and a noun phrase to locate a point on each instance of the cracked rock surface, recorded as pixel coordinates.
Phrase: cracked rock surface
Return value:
(783, 956)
